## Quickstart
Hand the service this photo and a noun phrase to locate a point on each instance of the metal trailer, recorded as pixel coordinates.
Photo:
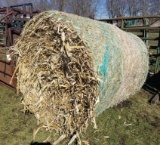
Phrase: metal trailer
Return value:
(12, 21)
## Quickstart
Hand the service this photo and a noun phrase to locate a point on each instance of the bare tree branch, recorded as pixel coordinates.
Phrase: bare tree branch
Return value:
(118, 8)
(86, 8)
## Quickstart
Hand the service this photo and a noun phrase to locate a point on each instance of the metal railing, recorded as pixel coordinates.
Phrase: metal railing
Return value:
(12, 20)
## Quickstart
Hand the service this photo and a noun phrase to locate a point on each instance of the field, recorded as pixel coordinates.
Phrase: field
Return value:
(133, 122)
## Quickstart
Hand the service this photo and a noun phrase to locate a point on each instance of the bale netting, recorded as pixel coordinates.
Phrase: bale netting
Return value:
(70, 69)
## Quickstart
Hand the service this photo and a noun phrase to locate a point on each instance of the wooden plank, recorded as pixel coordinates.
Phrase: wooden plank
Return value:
(3, 35)
(129, 18)
(6, 79)
(19, 19)
(153, 43)
(6, 68)
(140, 31)
(150, 38)
(142, 28)
(3, 45)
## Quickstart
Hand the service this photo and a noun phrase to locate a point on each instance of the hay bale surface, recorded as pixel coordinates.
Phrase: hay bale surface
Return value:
(73, 68)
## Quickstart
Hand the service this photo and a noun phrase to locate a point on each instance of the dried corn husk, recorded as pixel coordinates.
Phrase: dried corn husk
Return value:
(71, 68)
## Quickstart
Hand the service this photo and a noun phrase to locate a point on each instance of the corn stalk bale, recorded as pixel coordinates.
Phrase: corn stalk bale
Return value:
(73, 68)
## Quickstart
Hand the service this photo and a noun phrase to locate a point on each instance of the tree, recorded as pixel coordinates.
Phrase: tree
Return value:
(60, 5)
(155, 7)
(110, 8)
(133, 8)
(116, 8)
(86, 8)
(144, 7)
(8, 3)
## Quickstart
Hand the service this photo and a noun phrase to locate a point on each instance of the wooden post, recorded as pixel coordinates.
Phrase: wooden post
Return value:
(122, 24)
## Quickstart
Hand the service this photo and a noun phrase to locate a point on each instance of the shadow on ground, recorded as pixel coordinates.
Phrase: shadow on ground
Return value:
(152, 84)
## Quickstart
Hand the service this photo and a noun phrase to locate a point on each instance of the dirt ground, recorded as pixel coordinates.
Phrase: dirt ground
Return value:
(133, 122)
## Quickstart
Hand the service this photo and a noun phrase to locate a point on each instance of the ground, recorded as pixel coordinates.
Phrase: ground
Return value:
(133, 122)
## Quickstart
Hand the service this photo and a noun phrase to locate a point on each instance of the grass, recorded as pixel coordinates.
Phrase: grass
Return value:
(133, 122)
